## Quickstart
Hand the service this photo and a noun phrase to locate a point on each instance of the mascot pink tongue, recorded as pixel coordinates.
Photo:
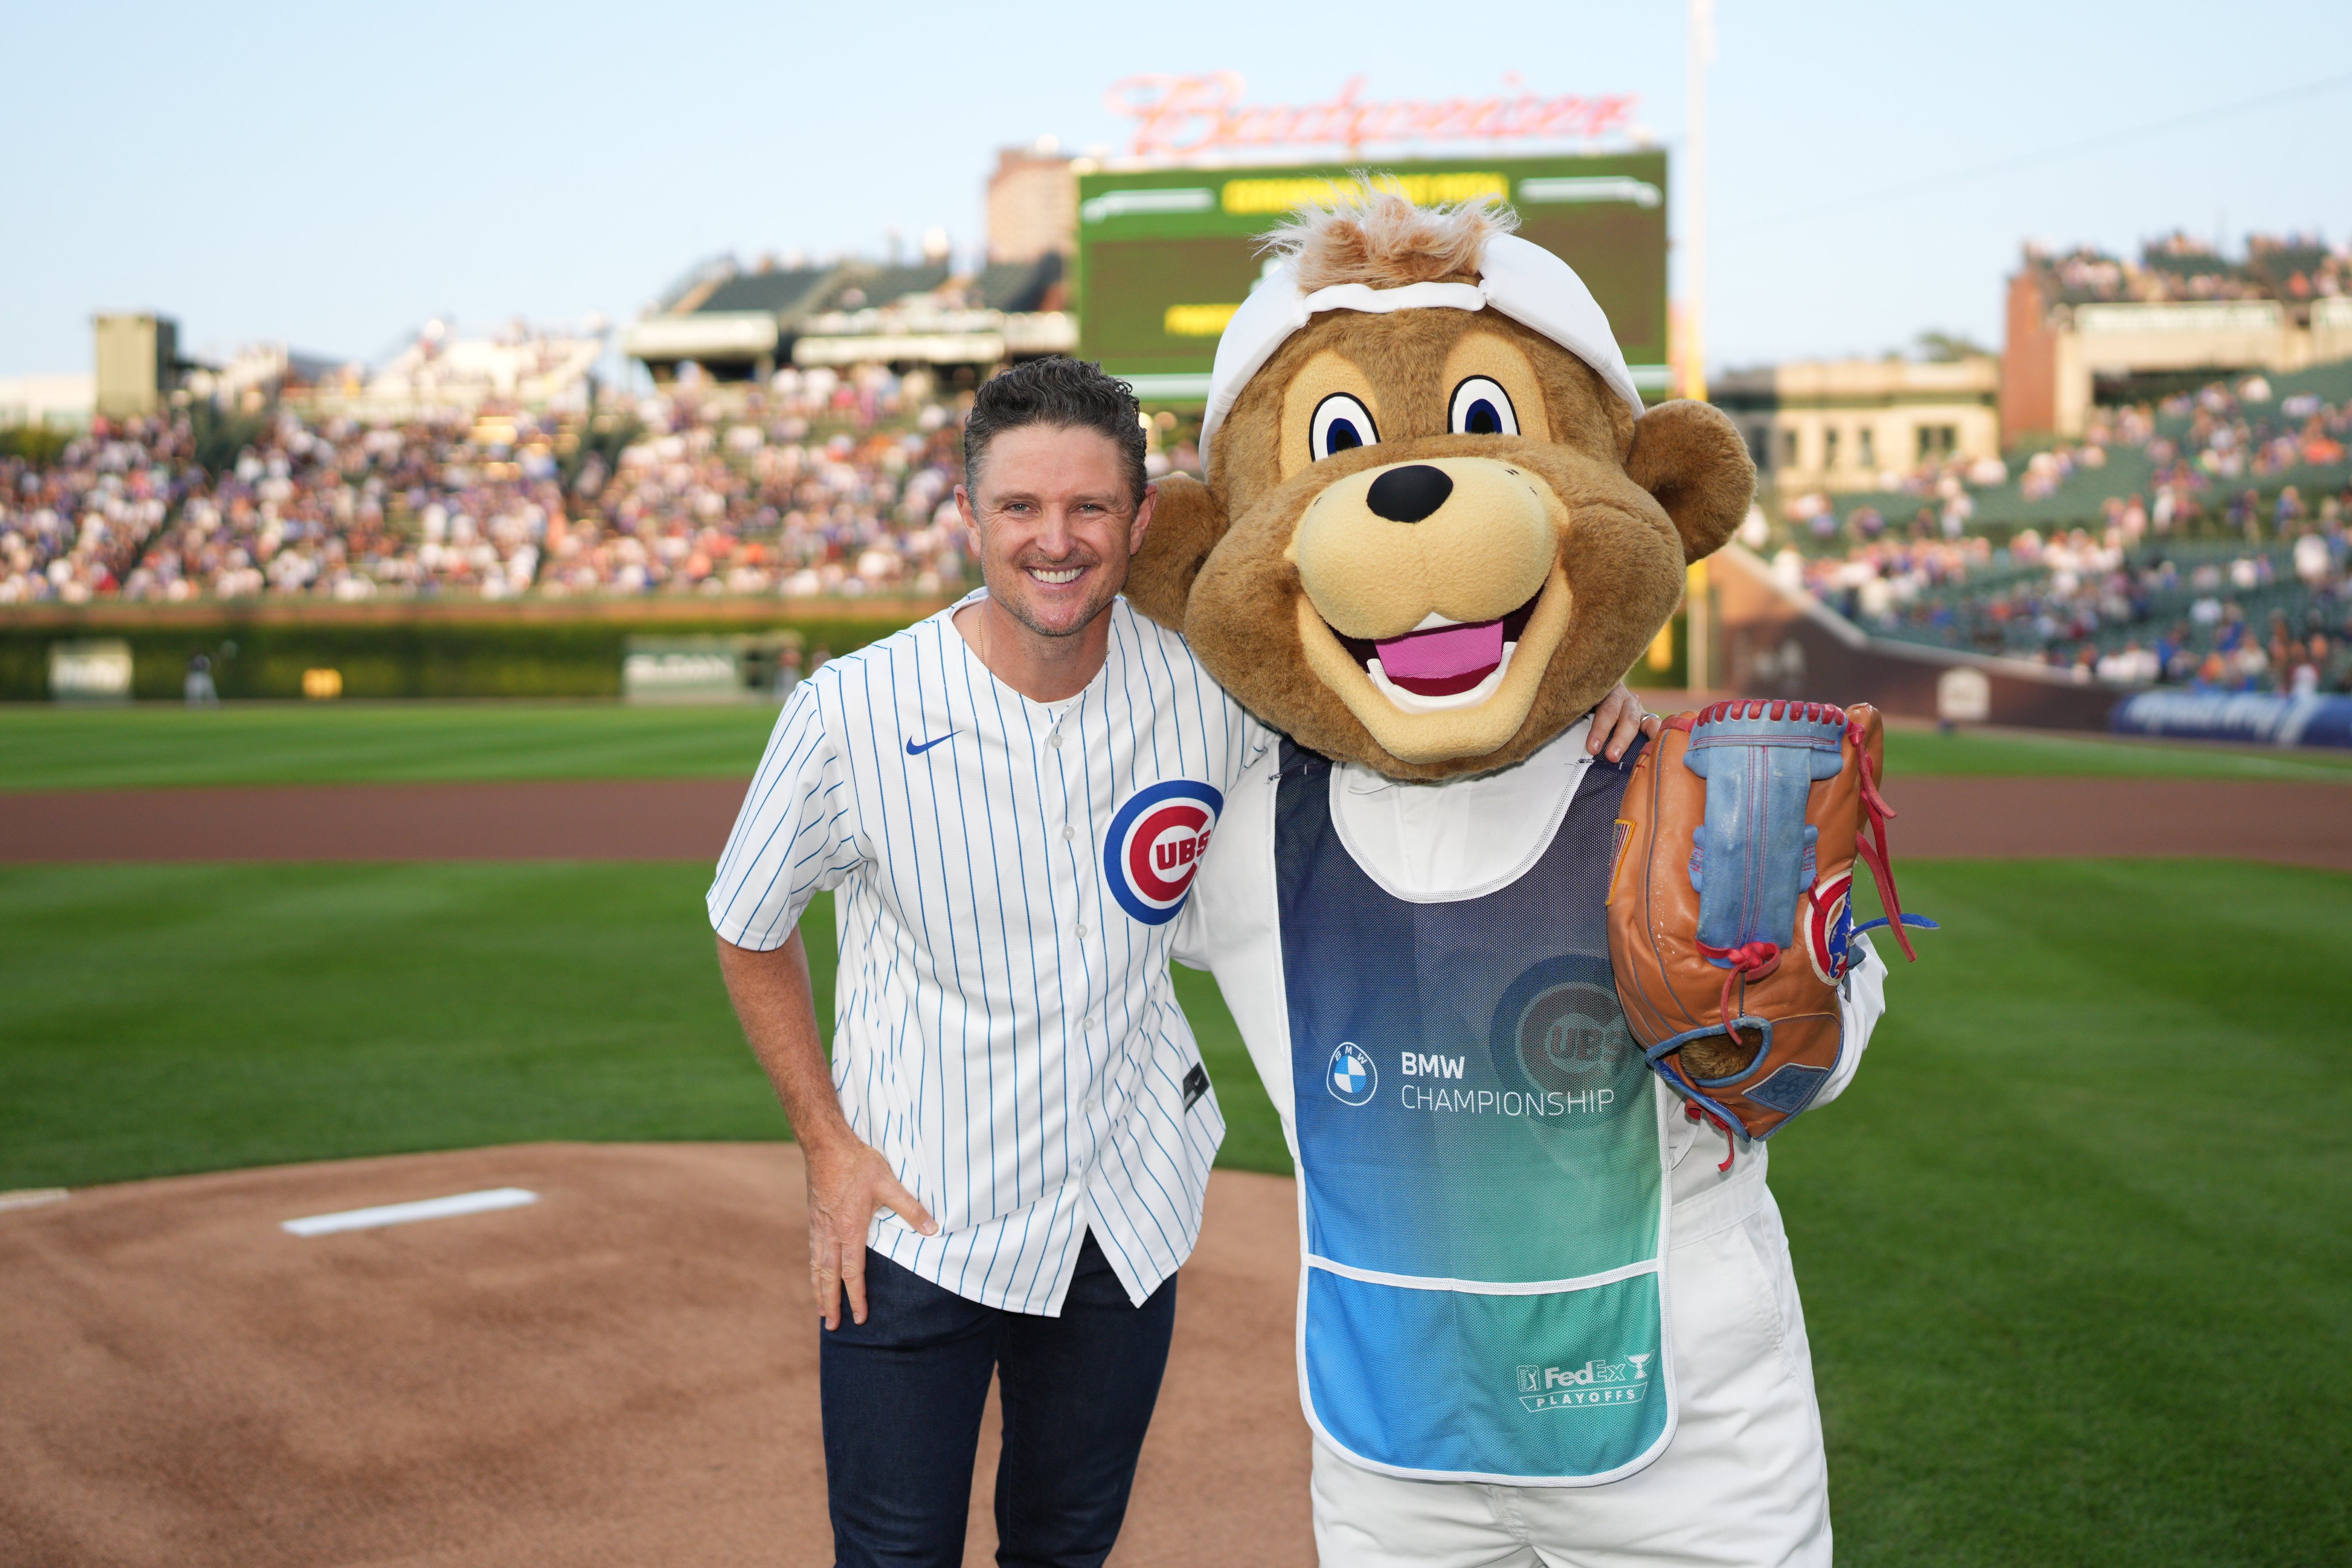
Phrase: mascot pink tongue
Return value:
(1443, 661)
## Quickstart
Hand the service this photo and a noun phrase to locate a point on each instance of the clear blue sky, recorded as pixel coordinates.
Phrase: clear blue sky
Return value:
(331, 176)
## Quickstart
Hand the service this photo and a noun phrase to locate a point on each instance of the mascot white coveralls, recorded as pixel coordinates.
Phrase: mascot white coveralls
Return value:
(1541, 1318)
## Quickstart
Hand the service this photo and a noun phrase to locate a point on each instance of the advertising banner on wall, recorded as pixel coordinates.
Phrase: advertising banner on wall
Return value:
(2250, 718)
(97, 670)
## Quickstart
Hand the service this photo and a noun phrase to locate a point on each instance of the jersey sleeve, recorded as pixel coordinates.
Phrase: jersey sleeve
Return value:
(1192, 947)
(795, 835)
(1256, 738)
(1209, 924)
(1863, 1000)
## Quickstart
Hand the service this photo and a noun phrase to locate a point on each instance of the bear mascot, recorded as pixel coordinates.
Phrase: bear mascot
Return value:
(1540, 1320)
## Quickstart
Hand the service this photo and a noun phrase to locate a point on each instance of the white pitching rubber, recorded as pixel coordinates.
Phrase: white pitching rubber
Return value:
(404, 1213)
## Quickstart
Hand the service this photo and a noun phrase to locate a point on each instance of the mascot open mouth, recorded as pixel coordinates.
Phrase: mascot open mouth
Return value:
(1441, 664)
(1447, 688)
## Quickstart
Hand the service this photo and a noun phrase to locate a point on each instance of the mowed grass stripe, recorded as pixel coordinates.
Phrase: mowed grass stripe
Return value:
(155, 745)
(158, 747)
(2022, 754)
(177, 1018)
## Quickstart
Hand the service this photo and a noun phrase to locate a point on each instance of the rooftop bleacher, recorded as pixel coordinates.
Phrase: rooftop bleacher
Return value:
(781, 291)
(2292, 269)
(886, 284)
(1018, 285)
(2075, 483)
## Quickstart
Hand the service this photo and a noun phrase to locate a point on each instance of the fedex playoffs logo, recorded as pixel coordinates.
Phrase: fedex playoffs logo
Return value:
(1596, 1383)
(1155, 844)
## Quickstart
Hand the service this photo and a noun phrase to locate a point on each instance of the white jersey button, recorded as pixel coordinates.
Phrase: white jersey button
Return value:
(1068, 833)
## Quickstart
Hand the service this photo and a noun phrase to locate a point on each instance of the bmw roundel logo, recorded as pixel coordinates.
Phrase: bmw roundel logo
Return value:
(1155, 843)
(1353, 1078)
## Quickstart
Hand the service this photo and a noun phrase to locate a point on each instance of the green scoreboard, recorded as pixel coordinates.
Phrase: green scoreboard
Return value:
(1165, 256)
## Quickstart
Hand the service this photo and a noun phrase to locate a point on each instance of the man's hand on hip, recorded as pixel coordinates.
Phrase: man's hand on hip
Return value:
(849, 1184)
(849, 1181)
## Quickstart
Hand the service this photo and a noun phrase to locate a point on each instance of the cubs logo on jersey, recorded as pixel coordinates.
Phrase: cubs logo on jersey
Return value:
(1155, 844)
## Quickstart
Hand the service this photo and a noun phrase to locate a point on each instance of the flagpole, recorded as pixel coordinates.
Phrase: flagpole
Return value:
(1701, 51)
(1699, 617)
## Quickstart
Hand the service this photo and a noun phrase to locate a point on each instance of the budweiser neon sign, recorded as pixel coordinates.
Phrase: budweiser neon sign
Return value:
(1182, 116)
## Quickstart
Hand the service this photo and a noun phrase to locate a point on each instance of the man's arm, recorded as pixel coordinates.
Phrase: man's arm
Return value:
(849, 1180)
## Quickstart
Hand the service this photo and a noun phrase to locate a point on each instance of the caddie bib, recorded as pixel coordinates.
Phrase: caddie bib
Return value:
(1480, 1161)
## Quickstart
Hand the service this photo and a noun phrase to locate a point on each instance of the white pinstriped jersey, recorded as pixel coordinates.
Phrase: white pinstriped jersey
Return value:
(1005, 1031)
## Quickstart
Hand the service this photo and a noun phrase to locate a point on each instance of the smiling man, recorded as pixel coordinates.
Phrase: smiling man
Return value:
(1010, 797)
(1007, 1155)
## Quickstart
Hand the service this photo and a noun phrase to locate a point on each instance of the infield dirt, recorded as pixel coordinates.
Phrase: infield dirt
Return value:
(622, 1373)
(689, 819)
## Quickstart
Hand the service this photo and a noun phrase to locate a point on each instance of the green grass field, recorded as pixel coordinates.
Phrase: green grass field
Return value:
(156, 745)
(162, 1020)
(2014, 753)
(2074, 1249)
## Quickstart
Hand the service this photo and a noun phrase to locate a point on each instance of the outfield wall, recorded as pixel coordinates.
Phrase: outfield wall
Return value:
(1783, 643)
(537, 648)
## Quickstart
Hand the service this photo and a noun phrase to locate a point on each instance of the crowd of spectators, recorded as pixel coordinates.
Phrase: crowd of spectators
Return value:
(2195, 613)
(2199, 458)
(2211, 549)
(2214, 573)
(817, 483)
(2264, 603)
(2180, 267)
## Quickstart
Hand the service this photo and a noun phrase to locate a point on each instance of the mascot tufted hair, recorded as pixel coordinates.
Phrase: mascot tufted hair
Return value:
(1374, 235)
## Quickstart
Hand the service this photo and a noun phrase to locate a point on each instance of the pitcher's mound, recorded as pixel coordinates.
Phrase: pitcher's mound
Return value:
(623, 1372)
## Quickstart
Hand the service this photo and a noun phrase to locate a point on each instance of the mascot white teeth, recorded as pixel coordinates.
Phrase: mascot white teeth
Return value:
(1539, 1319)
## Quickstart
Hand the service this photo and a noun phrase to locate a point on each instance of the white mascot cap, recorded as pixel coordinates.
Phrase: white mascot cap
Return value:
(1515, 277)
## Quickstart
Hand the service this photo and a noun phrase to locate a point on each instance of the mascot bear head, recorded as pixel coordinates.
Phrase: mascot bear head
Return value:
(1438, 525)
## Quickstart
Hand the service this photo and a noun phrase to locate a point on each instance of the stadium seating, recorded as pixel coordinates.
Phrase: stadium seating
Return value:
(2201, 540)
(820, 484)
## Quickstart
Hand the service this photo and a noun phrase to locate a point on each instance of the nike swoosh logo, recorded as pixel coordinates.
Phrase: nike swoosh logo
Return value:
(914, 750)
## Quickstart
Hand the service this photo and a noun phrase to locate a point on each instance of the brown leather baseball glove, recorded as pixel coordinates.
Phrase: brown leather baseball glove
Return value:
(1729, 906)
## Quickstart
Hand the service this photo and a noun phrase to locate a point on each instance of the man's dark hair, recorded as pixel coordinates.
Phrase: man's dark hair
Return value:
(1072, 394)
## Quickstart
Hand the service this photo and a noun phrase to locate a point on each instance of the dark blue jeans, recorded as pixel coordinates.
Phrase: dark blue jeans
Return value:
(903, 1397)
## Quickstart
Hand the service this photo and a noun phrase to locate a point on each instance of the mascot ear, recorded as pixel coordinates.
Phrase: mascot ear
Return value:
(1187, 521)
(1689, 456)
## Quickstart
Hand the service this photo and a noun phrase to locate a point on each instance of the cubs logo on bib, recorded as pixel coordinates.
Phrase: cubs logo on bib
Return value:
(1155, 844)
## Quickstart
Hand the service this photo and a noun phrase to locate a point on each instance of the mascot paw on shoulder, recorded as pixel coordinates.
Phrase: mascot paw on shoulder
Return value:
(1437, 525)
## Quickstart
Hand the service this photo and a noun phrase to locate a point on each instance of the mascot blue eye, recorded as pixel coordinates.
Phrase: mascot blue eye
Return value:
(1340, 423)
(1481, 407)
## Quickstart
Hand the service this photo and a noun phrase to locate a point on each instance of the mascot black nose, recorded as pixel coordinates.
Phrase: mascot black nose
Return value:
(1410, 494)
